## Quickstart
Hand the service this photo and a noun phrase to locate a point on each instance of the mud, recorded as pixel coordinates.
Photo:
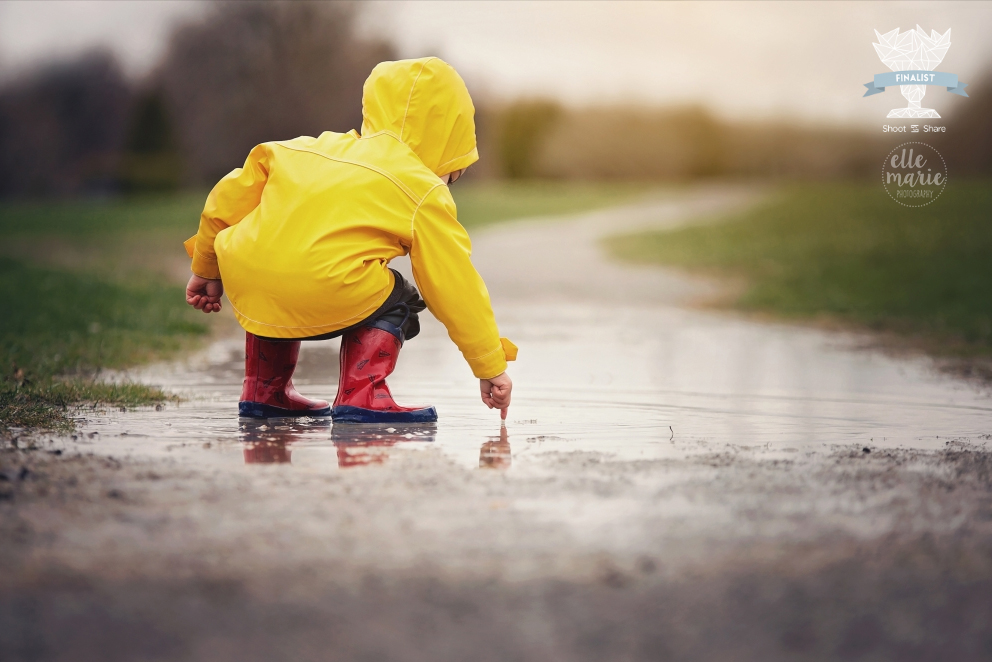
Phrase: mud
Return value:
(671, 484)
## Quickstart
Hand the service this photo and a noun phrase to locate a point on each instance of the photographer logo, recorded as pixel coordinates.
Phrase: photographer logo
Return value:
(914, 174)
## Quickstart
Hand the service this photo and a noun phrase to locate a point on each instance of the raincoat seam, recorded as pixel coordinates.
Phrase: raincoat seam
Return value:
(400, 185)
(387, 132)
(205, 257)
(384, 132)
(457, 157)
(315, 326)
(409, 98)
(476, 358)
(413, 219)
(392, 135)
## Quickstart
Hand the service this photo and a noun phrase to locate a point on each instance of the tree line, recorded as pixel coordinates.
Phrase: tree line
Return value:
(244, 74)
(251, 72)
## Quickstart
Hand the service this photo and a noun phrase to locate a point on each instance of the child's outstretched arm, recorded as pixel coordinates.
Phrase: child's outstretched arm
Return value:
(455, 293)
(233, 198)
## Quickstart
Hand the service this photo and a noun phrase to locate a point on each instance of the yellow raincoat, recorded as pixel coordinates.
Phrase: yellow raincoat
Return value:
(302, 234)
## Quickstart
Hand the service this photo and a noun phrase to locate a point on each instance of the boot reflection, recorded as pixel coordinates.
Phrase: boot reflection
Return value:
(267, 452)
(362, 444)
(495, 453)
(267, 441)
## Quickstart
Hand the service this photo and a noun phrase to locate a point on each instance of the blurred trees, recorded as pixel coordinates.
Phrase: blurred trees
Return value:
(522, 131)
(254, 72)
(544, 140)
(633, 143)
(244, 74)
(61, 128)
(967, 147)
(151, 159)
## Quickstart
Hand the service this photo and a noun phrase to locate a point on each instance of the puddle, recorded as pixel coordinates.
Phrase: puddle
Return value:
(625, 383)
(612, 362)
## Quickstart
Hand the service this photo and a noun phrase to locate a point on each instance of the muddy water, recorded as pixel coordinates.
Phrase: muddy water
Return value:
(614, 360)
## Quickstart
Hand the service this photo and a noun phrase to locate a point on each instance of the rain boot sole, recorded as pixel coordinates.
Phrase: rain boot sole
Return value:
(349, 414)
(259, 410)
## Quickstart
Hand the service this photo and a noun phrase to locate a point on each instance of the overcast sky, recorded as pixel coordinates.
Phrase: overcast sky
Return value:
(806, 61)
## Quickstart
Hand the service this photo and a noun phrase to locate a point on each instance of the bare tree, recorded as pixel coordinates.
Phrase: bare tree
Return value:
(253, 72)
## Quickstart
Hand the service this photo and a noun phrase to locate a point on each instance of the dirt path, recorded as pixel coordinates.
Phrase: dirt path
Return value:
(673, 484)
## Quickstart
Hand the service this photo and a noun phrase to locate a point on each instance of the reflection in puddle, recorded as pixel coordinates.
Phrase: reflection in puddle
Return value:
(267, 452)
(267, 441)
(495, 453)
(361, 444)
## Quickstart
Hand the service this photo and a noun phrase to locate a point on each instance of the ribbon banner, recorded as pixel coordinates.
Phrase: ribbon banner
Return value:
(895, 78)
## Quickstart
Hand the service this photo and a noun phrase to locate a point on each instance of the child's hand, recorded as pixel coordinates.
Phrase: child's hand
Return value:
(204, 293)
(496, 392)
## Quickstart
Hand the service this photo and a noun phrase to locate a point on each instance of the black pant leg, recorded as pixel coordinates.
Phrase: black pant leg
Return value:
(404, 312)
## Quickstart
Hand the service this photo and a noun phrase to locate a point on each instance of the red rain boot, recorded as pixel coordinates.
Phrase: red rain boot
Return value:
(368, 356)
(268, 390)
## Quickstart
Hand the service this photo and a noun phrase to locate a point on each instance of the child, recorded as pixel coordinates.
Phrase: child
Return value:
(301, 238)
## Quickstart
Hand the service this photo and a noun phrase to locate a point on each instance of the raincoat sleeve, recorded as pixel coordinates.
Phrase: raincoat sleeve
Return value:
(454, 291)
(231, 200)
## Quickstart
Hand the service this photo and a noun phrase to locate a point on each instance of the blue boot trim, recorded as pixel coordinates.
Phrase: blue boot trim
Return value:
(389, 327)
(258, 410)
(347, 414)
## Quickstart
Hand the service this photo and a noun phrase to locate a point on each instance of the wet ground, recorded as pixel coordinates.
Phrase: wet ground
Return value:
(672, 483)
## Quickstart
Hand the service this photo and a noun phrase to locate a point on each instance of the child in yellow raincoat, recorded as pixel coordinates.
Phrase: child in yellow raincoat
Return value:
(301, 238)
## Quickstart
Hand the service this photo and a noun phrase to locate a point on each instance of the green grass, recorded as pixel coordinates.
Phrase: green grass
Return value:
(84, 219)
(848, 251)
(61, 325)
(58, 329)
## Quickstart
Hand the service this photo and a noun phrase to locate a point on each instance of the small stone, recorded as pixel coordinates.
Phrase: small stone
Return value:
(865, 450)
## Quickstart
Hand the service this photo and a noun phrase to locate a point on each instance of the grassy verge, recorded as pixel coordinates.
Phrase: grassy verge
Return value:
(98, 219)
(86, 286)
(847, 251)
(59, 329)
(99, 302)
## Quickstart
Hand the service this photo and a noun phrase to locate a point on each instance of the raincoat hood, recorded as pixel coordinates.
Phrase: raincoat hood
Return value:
(426, 105)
